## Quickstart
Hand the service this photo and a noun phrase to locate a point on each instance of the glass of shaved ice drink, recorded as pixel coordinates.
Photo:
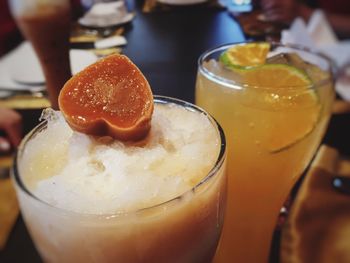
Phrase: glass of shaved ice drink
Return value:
(94, 199)
(274, 103)
(104, 181)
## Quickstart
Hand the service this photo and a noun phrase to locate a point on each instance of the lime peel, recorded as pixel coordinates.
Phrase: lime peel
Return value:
(286, 146)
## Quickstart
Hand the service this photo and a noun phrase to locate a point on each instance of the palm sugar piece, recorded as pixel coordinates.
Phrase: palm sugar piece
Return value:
(109, 98)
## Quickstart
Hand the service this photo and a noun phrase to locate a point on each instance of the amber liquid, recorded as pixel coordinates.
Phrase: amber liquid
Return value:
(48, 30)
(259, 180)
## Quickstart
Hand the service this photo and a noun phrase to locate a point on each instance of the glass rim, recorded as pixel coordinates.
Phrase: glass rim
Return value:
(15, 175)
(239, 85)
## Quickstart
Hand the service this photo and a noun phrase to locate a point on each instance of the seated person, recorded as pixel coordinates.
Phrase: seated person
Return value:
(284, 11)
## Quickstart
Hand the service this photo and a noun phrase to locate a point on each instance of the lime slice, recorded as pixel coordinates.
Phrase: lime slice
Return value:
(245, 55)
(276, 76)
(297, 124)
(293, 104)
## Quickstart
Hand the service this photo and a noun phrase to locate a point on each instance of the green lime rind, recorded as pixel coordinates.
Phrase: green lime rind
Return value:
(226, 60)
(299, 139)
(291, 144)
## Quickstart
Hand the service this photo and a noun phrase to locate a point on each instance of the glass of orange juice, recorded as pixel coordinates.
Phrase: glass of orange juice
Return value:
(274, 103)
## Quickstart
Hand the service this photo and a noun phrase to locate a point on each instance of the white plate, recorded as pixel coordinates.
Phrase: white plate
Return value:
(105, 21)
(20, 69)
(106, 14)
(182, 2)
(80, 59)
(24, 66)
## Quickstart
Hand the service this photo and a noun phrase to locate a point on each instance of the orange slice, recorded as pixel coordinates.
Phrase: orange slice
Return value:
(245, 55)
(109, 98)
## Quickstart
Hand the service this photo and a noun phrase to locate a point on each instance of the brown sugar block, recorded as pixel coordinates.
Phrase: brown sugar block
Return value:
(109, 98)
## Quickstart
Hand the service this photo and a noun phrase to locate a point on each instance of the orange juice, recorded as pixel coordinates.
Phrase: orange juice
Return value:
(272, 135)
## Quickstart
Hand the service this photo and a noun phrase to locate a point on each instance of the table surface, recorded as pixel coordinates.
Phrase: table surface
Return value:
(166, 46)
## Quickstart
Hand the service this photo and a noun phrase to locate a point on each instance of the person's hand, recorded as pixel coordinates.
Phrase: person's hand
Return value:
(284, 11)
(10, 129)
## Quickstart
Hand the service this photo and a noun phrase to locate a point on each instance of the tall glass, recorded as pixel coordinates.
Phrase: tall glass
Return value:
(46, 24)
(272, 134)
(184, 229)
